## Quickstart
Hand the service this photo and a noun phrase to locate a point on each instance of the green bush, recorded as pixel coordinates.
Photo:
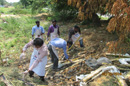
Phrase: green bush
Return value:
(21, 11)
(6, 10)
(15, 33)
(62, 12)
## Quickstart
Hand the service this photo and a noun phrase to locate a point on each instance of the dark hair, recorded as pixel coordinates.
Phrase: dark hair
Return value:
(38, 42)
(69, 42)
(54, 21)
(37, 21)
(77, 27)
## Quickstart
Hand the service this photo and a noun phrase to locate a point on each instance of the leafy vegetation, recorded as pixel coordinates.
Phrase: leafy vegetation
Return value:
(6, 10)
(15, 33)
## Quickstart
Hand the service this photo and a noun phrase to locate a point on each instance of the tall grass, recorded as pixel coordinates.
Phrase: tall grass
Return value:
(6, 10)
(15, 34)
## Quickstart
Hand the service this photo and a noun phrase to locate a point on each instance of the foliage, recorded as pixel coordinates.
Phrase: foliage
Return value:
(21, 11)
(120, 22)
(26, 3)
(61, 11)
(14, 34)
(120, 10)
(88, 7)
(2, 2)
(6, 10)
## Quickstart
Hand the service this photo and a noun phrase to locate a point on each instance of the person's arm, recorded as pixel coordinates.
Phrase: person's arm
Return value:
(66, 55)
(27, 45)
(33, 31)
(25, 48)
(71, 32)
(42, 54)
(48, 34)
(42, 30)
(49, 31)
(65, 50)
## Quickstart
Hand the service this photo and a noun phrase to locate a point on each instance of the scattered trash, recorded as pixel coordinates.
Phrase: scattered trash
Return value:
(102, 60)
(80, 77)
(100, 71)
(5, 60)
(124, 60)
(92, 63)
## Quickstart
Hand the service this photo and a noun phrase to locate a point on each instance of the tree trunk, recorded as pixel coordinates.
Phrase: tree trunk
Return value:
(96, 20)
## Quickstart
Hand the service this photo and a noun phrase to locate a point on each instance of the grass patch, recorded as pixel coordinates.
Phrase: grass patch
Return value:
(15, 34)
(6, 10)
(21, 11)
(103, 18)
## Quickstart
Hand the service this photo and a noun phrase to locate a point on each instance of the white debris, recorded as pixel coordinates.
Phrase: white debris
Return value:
(80, 77)
(124, 60)
(112, 69)
(102, 60)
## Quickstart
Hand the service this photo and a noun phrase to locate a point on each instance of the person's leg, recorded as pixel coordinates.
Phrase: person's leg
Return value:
(55, 66)
(81, 43)
(51, 53)
(31, 73)
(42, 78)
(53, 57)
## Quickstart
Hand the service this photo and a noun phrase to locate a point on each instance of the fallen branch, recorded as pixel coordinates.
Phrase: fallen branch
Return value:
(93, 74)
(117, 55)
(73, 66)
(74, 43)
(124, 69)
(100, 71)
(4, 79)
(121, 81)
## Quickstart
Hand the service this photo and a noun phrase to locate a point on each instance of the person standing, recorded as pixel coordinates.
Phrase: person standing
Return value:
(38, 59)
(74, 33)
(37, 30)
(53, 31)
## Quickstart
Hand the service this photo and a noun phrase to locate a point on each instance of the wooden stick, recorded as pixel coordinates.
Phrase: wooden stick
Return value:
(121, 81)
(5, 80)
(74, 43)
(92, 74)
(117, 55)
(72, 67)
(123, 69)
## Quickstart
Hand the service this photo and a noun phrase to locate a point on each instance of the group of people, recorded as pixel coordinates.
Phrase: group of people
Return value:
(39, 56)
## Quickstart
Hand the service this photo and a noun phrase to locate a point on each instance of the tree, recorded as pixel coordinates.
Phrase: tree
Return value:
(120, 9)
(120, 22)
(89, 8)
(2, 2)
(26, 3)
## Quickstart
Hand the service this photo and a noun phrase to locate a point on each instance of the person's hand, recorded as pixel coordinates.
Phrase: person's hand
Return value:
(70, 61)
(22, 56)
(25, 72)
